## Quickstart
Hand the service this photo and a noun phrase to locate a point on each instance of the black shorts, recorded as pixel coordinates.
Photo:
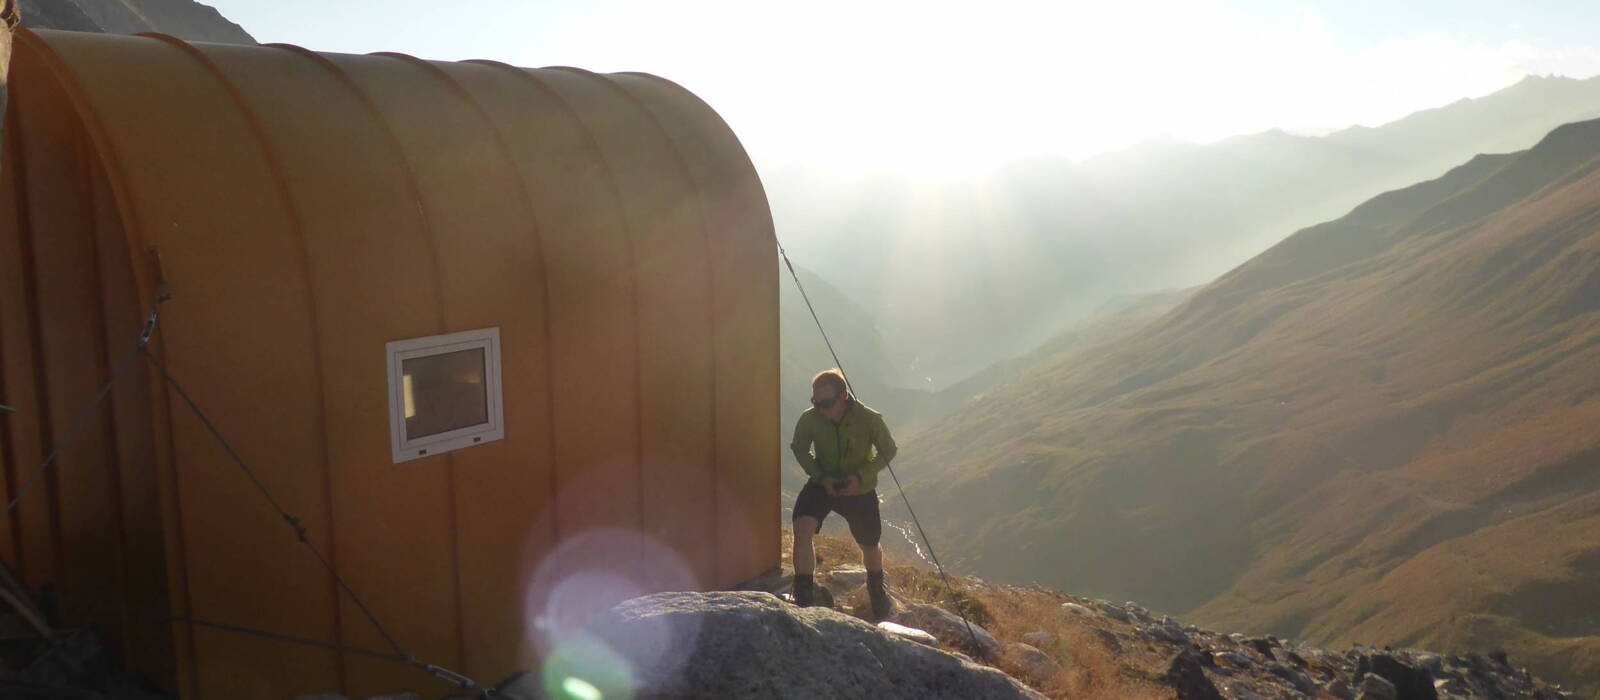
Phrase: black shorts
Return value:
(860, 511)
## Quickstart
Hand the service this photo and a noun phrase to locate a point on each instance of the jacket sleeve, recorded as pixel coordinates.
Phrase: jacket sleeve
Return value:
(802, 448)
(883, 442)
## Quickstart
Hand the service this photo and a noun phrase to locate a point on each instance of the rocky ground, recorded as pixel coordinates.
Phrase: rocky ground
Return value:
(1068, 646)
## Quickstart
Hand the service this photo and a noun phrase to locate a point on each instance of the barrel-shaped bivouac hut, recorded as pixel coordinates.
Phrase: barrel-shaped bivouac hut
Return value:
(503, 340)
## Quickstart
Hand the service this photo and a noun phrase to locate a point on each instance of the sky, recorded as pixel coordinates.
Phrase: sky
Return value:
(937, 87)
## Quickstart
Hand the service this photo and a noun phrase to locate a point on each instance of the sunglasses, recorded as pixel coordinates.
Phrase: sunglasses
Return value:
(825, 403)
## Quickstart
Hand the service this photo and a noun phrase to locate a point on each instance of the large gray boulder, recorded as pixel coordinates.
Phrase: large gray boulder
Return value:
(746, 644)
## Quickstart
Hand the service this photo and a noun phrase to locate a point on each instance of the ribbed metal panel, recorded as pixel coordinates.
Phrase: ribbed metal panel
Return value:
(308, 209)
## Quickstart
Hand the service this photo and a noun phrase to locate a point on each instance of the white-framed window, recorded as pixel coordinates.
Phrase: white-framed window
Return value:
(444, 393)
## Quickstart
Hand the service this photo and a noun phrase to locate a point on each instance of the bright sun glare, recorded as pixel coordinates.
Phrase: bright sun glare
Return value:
(939, 89)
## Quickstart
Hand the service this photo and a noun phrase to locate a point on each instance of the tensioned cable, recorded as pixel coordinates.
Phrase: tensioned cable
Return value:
(400, 654)
(108, 606)
(83, 416)
(300, 533)
(293, 521)
(950, 589)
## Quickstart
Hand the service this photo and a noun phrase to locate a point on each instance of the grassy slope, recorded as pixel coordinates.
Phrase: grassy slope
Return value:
(1090, 668)
(1381, 430)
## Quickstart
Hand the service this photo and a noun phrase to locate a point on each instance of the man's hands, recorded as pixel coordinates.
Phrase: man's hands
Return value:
(841, 487)
(848, 487)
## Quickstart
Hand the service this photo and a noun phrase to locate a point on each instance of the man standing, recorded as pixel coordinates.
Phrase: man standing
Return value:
(842, 445)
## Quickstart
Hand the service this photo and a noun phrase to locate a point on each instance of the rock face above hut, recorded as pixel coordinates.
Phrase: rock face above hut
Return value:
(184, 19)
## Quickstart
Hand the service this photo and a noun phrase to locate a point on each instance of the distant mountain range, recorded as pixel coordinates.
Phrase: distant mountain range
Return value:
(1381, 430)
(961, 274)
(184, 19)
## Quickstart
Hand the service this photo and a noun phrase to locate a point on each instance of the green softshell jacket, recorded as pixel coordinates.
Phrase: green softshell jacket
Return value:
(860, 443)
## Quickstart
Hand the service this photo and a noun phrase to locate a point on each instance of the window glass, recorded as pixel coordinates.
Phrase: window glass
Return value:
(444, 392)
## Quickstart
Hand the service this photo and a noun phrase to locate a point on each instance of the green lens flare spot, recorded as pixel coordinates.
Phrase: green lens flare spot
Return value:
(580, 689)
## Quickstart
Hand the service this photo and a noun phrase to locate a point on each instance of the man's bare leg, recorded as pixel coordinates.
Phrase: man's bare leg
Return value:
(871, 558)
(805, 558)
(872, 561)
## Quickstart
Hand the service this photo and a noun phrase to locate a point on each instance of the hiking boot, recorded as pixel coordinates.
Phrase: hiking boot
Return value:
(879, 593)
(805, 591)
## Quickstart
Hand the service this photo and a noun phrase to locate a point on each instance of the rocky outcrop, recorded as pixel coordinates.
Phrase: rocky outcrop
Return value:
(184, 19)
(750, 644)
(1187, 675)
(1206, 664)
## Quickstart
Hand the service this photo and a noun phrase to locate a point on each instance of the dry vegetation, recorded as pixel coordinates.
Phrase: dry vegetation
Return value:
(1089, 667)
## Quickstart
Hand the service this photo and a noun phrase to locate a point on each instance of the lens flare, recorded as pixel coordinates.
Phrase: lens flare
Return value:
(566, 621)
(580, 689)
(584, 667)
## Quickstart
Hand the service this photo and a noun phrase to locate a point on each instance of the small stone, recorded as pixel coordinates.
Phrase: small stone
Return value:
(1037, 667)
(1295, 677)
(1376, 687)
(1039, 639)
(1077, 609)
(1262, 647)
(1166, 634)
(1114, 612)
(1110, 640)
(1233, 658)
(949, 628)
(848, 577)
(911, 633)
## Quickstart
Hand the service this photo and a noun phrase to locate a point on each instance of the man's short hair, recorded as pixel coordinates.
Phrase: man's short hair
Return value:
(832, 377)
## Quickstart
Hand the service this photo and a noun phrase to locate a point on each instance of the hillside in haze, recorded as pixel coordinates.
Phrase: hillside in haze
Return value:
(966, 271)
(878, 376)
(1381, 430)
(185, 19)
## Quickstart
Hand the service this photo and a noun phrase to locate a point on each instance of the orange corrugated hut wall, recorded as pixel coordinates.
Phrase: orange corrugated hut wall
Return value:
(308, 208)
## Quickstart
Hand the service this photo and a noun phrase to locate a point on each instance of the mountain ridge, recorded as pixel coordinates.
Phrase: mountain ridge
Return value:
(1311, 435)
(1014, 257)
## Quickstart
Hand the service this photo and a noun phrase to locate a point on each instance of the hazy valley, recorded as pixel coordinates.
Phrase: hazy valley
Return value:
(963, 272)
(1379, 430)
